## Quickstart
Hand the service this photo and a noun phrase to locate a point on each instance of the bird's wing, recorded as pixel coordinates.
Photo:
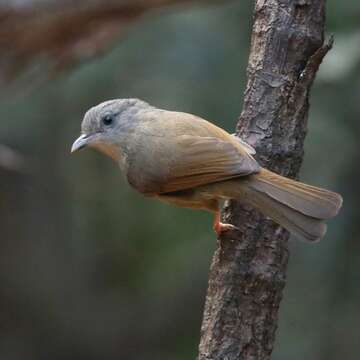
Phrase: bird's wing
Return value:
(204, 160)
(194, 152)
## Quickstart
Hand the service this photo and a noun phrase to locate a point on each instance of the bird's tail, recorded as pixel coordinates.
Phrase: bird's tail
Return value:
(298, 207)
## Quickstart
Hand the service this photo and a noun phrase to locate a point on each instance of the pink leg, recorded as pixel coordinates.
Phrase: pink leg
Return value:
(220, 227)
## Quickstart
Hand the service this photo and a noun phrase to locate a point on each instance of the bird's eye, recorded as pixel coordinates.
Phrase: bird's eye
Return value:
(107, 120)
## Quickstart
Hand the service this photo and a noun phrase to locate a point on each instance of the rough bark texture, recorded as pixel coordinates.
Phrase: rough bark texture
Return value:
(247, 275)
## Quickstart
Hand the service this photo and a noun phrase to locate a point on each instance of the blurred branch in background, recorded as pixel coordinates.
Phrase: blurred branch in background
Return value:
(66, 32)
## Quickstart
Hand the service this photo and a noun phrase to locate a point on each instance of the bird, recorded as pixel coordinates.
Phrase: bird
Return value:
(187, 161)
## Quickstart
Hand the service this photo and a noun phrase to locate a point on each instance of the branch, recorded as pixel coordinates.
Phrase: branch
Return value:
(247, 275)
(66, 32)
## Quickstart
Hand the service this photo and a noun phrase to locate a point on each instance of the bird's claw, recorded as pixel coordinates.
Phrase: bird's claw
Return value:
(221, 228)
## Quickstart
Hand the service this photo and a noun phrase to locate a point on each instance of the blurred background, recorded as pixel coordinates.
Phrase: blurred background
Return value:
(91, 270)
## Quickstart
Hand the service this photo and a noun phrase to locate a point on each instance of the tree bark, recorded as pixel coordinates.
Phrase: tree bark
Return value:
(248, 271)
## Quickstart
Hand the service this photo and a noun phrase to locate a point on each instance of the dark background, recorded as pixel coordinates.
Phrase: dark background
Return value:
(91, 270)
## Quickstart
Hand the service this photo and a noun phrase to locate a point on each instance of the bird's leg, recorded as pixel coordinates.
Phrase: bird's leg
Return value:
(220, 227)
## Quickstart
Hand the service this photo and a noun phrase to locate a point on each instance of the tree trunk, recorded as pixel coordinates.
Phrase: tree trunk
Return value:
(248, 271)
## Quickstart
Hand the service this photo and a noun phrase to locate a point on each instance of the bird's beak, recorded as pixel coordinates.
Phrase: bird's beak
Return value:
(80, 143)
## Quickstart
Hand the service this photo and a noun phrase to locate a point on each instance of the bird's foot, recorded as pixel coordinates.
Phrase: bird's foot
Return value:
(221, 228)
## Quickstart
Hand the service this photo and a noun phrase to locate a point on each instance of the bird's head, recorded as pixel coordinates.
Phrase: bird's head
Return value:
(104, 125)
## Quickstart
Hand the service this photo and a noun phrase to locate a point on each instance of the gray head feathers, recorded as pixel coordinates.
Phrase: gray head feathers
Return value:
(117, 109)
